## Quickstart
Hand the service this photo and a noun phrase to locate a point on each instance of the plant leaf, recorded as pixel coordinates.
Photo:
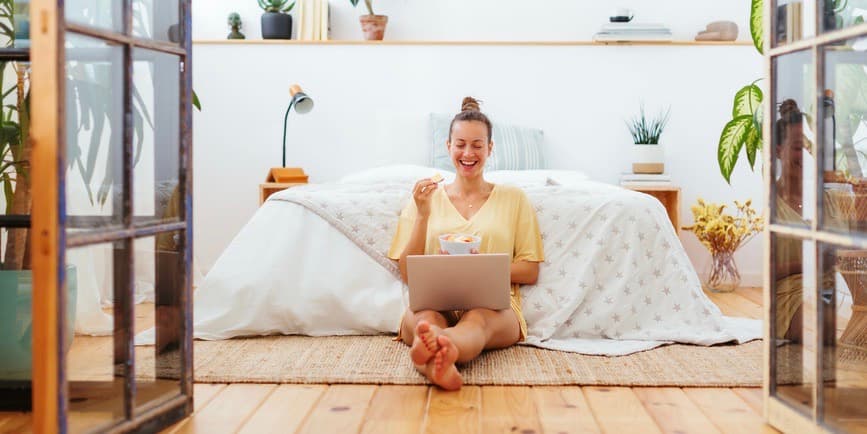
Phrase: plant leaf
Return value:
(757, 30)
(753, 143)
(747, 100)
(196, 102)
(730, 143)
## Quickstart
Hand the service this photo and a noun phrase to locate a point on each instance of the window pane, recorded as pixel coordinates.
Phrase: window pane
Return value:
(96, 382)
(795, 21)
(156, 19)
(844, 141)
(156, 112)
(793, 136)
(21, 23)
(159, 278)
(103, 14)
(794, 277)
(839, 14)
(15, 149)
(844, 328)
(94, 134)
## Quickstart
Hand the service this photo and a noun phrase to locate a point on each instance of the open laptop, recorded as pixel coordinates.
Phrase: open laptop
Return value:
(450, 282)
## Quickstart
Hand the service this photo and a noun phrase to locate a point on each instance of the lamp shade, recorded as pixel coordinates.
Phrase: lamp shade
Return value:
(302, 102)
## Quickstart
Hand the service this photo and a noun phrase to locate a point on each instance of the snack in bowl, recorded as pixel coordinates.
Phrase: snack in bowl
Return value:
(459, 244)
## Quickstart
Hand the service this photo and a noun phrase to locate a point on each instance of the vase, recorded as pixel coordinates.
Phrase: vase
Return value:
(721, 273)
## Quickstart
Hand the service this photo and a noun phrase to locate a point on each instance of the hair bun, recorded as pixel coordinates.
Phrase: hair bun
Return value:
(470, 104)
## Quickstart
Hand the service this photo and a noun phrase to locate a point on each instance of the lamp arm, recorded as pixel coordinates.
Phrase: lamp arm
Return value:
(285, 119)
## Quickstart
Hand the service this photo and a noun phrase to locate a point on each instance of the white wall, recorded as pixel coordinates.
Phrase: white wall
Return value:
(372, 103)
(486, 19)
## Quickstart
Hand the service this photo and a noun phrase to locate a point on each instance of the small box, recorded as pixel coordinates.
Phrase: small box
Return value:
(293, 175)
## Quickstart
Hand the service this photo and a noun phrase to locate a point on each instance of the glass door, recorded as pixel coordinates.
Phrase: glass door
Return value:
(112, 213)
(816, 176)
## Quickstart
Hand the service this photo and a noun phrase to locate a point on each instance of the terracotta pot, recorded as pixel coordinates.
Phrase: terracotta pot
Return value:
(373, 26)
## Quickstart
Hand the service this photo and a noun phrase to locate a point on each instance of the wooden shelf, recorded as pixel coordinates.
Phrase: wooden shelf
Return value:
(464, 43)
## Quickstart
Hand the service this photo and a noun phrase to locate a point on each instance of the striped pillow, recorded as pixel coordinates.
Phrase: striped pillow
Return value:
(515, 148)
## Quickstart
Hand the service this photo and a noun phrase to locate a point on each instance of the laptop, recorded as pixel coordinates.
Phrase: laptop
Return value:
(458, 282)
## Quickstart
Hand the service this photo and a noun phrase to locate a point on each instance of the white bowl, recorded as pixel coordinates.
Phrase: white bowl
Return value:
(459, 244)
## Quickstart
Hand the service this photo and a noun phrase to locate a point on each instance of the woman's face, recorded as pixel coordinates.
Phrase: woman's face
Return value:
(469, 147)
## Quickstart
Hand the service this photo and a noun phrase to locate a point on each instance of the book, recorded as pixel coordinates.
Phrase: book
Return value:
(637, 37)
(325, 24)
(646, 184)
(643, 177)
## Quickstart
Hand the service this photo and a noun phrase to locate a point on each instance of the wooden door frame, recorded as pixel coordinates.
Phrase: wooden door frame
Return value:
(47, 233)
(50, 389)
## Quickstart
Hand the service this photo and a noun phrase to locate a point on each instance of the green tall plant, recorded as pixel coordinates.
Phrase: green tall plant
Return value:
(744, 130)
(14, 145)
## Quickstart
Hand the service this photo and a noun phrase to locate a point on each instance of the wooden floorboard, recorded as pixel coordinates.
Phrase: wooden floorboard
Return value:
(563, 409)
(251, 408)
(618, 410)
(508, 409)
(673, 411)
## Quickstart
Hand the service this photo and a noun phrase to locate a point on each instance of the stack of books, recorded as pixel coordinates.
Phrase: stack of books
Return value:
(314, 20)
(644, 180)
(633, 32)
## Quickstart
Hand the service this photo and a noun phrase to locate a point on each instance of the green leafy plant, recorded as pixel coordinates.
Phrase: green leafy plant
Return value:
(279, 6)
(647, 131)
(744, 130)
(368, 3)
(14, 143)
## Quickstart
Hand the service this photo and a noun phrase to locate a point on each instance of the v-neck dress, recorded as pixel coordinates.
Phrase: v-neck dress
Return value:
(506, 222)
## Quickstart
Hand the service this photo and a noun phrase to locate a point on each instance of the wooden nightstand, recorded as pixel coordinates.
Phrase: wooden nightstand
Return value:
(268, 188)
(668, 195)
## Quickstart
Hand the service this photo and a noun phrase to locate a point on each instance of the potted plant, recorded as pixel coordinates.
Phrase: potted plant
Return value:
(276, 21)
(647, 153)
(234, 22)
(372, 25)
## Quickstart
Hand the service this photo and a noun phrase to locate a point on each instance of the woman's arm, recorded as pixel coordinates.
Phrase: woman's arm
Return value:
(416, 244)
(525, 272)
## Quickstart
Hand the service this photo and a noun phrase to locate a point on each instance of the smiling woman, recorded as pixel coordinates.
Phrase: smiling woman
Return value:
(504, 222)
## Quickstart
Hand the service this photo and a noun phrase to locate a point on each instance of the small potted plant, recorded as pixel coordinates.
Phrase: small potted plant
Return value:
(234, 22)
(276, 21)
(647, 153)
(372, 25)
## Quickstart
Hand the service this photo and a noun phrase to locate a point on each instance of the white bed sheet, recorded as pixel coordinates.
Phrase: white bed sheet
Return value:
(615, 281)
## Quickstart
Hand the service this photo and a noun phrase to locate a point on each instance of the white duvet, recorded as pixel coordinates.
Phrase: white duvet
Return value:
(616, 279)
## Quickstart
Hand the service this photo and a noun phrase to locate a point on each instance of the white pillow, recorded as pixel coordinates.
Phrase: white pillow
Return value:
(399, 173)
(565, 177)
(520, 178)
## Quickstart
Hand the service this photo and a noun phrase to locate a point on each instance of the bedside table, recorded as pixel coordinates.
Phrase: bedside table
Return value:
(669, 195)
(268, 188)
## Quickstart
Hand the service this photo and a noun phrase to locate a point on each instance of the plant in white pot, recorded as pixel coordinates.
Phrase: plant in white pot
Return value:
(372, 25)
(276, 21)
(647, 153)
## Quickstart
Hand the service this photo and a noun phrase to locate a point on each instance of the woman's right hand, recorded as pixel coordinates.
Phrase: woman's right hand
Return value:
(422, 193)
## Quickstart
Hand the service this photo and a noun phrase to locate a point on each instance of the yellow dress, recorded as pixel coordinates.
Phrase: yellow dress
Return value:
(506, 222)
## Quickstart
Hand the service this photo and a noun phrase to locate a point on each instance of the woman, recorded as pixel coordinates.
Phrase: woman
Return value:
(504, 218)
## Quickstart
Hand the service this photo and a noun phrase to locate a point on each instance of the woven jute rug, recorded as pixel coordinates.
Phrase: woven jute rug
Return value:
(379, 360)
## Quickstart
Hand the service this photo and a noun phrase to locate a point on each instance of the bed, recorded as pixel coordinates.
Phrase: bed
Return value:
(311, 261)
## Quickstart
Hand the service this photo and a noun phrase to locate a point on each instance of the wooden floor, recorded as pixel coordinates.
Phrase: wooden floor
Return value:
(266, 408)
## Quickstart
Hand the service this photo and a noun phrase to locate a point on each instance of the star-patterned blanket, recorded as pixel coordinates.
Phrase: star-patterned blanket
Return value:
(615, 280)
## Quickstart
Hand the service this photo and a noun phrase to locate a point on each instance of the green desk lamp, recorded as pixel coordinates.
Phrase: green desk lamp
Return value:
(303, 104)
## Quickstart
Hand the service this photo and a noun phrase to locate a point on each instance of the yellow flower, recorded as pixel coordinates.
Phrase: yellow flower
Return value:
(722, 232)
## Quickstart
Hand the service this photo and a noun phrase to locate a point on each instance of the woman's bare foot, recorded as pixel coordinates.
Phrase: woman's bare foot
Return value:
(425, 345)
(444, 373)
